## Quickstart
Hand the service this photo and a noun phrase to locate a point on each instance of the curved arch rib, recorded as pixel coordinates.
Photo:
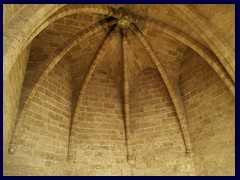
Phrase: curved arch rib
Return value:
(16, 41)
(130, 158)
(66, 11)
(87, 8)
(204, 52)
(73, 128)
(52, 60)
(222, 50)
(20, 28)
(175, 94)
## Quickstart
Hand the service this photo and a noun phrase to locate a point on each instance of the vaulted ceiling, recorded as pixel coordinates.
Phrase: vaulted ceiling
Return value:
(153, 22)
(123, 40)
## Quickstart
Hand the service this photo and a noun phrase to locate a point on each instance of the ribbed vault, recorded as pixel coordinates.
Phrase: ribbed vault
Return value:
(122, 41)
(126, 27)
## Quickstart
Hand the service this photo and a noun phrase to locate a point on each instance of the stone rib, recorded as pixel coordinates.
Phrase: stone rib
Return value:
(176, 99)
(72, 135)
(52, 60)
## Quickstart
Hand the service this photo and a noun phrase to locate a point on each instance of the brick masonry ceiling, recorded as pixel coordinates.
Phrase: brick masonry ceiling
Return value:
(157, 70)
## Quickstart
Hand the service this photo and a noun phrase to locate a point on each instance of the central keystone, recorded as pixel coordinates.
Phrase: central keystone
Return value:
(124, 21)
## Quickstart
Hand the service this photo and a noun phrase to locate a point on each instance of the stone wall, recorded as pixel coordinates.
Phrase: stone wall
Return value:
(40, 143)
(41, 138)
(11, 93)
(210, 110)
(100, 147)
(9, 11)
(156, 141)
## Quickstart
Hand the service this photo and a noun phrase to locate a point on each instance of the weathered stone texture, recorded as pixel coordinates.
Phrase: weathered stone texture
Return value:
(12, 90)
(210, 109)
(41, 138)
(100, 147)
(118, 89)
(9, 11)
(156, 139)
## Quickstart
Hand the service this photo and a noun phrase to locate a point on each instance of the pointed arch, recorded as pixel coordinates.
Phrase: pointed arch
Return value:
(90, 71)
(203, 51)
(52, 60)
(174, 93)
